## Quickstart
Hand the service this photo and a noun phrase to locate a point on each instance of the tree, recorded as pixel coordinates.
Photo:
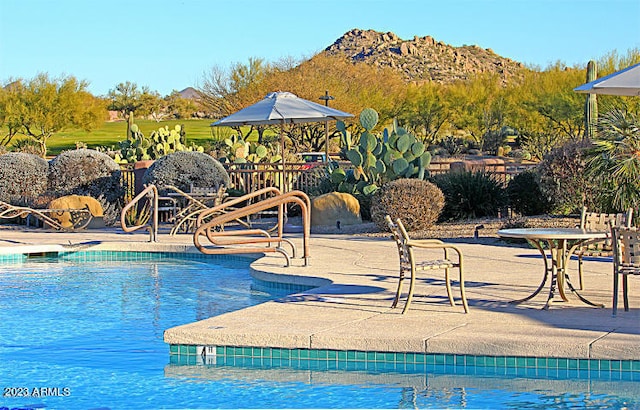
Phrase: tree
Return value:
(426, 111)
(480, 105)
(151, 105)
(44, 107)
(125, 98)
(225, 91)
(179, 107)
(545, 110)
(9, 110)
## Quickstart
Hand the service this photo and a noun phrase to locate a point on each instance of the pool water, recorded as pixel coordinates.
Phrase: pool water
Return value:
(88, 335)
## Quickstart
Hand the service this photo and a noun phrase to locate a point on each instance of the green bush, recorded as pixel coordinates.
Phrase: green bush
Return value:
(22, 175)
(417, 202)
(185, 168)
(470, 195)
(563, 178)
(525, 196)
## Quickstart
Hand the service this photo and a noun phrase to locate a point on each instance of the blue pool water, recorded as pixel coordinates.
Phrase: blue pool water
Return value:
(88, 335)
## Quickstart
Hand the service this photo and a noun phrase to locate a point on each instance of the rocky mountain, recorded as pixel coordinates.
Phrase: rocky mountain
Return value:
(422, 58)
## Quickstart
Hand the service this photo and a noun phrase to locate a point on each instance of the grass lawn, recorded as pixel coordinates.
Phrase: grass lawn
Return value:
(110, 133)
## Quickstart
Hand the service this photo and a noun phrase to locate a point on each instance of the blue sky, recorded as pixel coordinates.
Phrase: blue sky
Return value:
(169, 45)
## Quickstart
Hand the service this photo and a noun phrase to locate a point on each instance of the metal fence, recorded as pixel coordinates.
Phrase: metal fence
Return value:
(307, 177)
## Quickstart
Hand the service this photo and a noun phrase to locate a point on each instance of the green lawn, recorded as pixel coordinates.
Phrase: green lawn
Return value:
(110, 133)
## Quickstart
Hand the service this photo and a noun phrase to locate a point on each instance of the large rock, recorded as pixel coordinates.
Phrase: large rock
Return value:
(74, 202)
(334, 207)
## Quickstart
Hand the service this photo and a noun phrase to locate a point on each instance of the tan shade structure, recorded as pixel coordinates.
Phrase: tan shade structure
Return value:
(623, 82)
(282, 108)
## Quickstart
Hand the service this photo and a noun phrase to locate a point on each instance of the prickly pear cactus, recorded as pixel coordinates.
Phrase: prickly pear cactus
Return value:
(377, 159)
(159, 143)
(240, 151)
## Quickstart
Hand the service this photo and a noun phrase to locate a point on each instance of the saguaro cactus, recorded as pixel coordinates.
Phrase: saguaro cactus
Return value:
(591, 105)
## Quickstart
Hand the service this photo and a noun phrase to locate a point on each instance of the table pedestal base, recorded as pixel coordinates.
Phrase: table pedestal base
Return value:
(558, 272)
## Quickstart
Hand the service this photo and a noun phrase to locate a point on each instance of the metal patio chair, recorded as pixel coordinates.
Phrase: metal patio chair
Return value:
(409, 262)
(595, 221)
(626, 261)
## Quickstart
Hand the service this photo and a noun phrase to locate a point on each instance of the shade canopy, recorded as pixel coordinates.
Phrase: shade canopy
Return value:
(282, 108)
(623, 82)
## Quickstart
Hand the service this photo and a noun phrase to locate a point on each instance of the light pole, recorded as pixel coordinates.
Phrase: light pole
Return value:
(326, 98)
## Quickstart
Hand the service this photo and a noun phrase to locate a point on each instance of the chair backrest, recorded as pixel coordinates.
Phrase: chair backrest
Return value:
(220, 192)
(595, 221)
(626, 246)
(398, 234)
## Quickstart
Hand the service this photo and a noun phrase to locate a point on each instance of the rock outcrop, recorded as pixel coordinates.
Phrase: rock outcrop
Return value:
(422, 58)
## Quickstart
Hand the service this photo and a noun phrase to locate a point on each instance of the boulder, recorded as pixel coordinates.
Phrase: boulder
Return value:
(334, 207)
(74, 202)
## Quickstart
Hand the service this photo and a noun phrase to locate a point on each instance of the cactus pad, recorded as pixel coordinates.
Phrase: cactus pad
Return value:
(368, 118)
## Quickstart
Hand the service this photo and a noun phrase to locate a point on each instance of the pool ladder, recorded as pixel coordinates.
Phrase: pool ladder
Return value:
(152, 224)
(248, 239)
(213, 230)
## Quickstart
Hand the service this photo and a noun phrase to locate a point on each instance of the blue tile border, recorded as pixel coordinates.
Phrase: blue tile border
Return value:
(399, 361)
(115, 256)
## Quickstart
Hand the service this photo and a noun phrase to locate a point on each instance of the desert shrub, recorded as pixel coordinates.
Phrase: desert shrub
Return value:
(417, 202)
(563, 178)
(470, 195)
(22, 175)
(525, 195)
(88, 172)
(185, 168)
(27, 146)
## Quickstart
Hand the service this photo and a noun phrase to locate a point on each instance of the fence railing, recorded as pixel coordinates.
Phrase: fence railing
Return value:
(307, 176)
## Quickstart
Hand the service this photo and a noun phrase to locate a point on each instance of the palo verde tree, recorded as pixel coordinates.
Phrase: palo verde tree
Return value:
(9, 104)
(43, 107)
(227, 90)
(426, 111)
(479, 105)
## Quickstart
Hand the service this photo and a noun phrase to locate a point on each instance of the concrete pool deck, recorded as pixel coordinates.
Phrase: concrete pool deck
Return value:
(357, 277)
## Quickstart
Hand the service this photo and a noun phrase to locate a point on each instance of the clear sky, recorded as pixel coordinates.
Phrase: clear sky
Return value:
(169, 44)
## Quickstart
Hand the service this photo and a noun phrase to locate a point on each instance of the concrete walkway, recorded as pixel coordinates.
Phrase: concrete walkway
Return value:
(357, 278)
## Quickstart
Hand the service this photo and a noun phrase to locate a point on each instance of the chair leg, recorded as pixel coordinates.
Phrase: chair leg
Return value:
(397, 298)
(615, 293)
(462, 293)
(447, 282)
(625, 293)
(581, 287)
(412, 282)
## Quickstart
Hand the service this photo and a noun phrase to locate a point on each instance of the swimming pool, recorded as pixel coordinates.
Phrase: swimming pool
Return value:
(85, 332)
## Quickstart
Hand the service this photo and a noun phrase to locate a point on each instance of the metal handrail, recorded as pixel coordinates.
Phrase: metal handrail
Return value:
(153, 227)
(221, 239)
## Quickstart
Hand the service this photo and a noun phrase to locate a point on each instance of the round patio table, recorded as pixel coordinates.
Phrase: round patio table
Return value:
(561, 243)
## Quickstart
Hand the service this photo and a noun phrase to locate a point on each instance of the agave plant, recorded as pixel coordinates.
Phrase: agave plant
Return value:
(616, 154)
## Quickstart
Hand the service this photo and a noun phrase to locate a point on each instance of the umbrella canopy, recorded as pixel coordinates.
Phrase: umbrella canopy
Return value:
(623, 82)
(282, 108)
